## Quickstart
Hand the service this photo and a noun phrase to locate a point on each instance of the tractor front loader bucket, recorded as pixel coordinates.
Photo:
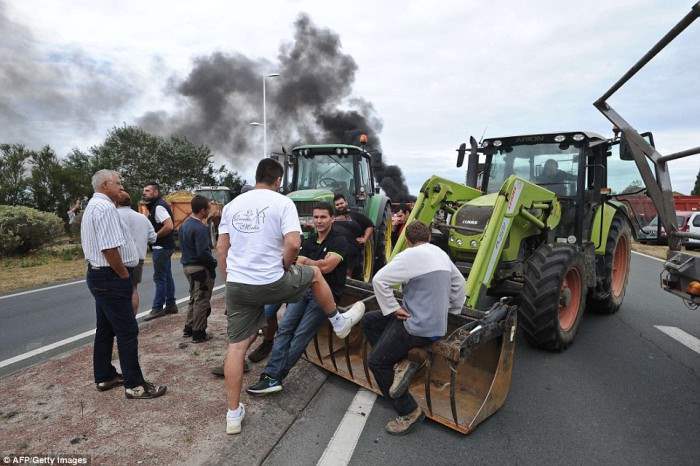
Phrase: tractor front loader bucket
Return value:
(465, 376)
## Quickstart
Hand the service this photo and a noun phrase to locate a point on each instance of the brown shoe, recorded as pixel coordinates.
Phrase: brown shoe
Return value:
(403, 374)
(404, 424)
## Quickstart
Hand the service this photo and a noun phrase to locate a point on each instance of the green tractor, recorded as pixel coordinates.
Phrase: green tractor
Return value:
(538, 220)
(315, 173)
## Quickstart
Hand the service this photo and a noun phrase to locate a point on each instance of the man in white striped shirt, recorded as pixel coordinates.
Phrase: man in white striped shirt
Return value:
(111, 256)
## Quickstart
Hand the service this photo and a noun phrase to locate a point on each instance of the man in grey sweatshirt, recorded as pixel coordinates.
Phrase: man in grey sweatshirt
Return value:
(432, 287)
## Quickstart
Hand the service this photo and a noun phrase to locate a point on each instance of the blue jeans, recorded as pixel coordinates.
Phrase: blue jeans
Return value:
(299, 325)
(163, 278)
(271, 310)
(115, 318)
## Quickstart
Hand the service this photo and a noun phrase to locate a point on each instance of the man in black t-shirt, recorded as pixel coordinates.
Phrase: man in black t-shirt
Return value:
(355, 227)
(327, 250)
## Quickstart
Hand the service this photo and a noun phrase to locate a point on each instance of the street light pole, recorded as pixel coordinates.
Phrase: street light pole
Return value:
(271, 75)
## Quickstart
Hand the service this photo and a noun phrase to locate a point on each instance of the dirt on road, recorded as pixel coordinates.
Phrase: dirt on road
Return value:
(53, 407)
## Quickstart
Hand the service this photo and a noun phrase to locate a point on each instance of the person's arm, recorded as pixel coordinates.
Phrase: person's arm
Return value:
(163, 217)
(398, 271)
(367, 227)
(203, 249)
(326, 265)
(115, 261)
(222, 245)
(457, 293)
(292, 244)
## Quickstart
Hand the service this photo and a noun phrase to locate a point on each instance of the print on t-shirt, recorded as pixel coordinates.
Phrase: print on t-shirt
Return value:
(249, 220)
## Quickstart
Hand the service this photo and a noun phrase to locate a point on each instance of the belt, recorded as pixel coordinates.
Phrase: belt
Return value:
(105, 267)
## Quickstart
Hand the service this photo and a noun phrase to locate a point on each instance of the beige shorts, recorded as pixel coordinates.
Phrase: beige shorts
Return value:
(245, 304)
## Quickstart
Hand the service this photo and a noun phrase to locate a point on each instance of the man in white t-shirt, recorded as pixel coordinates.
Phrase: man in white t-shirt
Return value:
(259, 239)
(143, 233)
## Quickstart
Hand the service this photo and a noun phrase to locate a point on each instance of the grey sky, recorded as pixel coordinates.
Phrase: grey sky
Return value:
(435, 72)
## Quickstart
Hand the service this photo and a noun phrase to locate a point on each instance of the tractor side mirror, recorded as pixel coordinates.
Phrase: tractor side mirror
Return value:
(625, 150)
(473, 163)
(460, 154)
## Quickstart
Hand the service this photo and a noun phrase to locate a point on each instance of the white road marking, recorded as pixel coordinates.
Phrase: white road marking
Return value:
(344, 440)
(40, 289)
(679, 335)
(648, 256)
(66, 341)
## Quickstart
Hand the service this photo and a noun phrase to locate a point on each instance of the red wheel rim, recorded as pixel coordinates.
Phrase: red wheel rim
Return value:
(570, 299)
(620, 266)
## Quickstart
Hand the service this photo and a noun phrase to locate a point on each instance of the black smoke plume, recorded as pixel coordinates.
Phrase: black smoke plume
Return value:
(58, 91)
(311, 102)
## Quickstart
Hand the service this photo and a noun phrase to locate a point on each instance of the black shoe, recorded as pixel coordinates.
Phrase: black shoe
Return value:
(154, 314)
(261, 352)
(219, 370)
(187, 331)
(144, 391)
(171, 309)
(109, 384)
(200, 336)
(265, 386)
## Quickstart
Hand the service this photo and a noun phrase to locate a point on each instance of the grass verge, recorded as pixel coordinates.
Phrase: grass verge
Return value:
(61, 262)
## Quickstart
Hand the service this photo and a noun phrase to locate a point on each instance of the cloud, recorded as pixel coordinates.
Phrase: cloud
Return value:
(50, 90)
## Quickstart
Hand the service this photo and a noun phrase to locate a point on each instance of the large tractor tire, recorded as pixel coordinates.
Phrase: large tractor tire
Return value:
(610, 291)
(213, 233)
(382, 233)
(553, 297)
(378, 249)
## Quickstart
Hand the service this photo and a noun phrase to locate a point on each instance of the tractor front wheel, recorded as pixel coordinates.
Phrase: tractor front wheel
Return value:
(553, 297)
(610, 290)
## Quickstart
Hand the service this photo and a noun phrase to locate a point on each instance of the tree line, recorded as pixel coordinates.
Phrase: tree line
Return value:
(42, 180)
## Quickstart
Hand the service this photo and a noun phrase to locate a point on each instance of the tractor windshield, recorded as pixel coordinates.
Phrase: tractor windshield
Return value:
(222, 196)
(553, 166)
(332, 172)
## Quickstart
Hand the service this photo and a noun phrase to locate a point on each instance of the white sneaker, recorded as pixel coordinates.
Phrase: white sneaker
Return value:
(233, 425)
(350, 318)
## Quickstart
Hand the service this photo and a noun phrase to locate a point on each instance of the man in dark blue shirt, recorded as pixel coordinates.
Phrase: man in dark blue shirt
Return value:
(200, 268)
(326, 249)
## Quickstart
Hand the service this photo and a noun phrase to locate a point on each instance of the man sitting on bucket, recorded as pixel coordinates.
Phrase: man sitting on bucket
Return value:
(432, 287)
(327, 250)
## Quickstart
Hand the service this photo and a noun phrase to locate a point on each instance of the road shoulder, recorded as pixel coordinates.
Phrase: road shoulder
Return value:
(53, 406)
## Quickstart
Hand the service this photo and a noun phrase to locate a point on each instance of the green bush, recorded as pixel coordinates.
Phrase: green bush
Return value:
(23, 229)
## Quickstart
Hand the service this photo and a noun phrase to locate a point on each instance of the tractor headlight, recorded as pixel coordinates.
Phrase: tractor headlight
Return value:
(578, 137)
(337, 151)
(474, 243)
(497, 143)
(459, 242)
(559, 138)
(345, 151)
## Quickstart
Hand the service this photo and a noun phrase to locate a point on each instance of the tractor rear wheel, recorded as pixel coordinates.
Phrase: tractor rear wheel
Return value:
(382, 233)
(610, 291)
(213, 233)
(553, 297)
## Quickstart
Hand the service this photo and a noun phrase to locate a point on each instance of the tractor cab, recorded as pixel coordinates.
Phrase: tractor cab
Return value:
(338, 168)
(316, 173)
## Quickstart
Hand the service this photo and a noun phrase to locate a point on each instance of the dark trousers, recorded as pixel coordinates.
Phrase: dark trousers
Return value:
(163, 279)
(115, 318)
(390, 344)
(199, 307)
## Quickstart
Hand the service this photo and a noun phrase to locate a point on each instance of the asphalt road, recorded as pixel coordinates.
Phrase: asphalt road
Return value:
(34, 320)
(624, 393)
